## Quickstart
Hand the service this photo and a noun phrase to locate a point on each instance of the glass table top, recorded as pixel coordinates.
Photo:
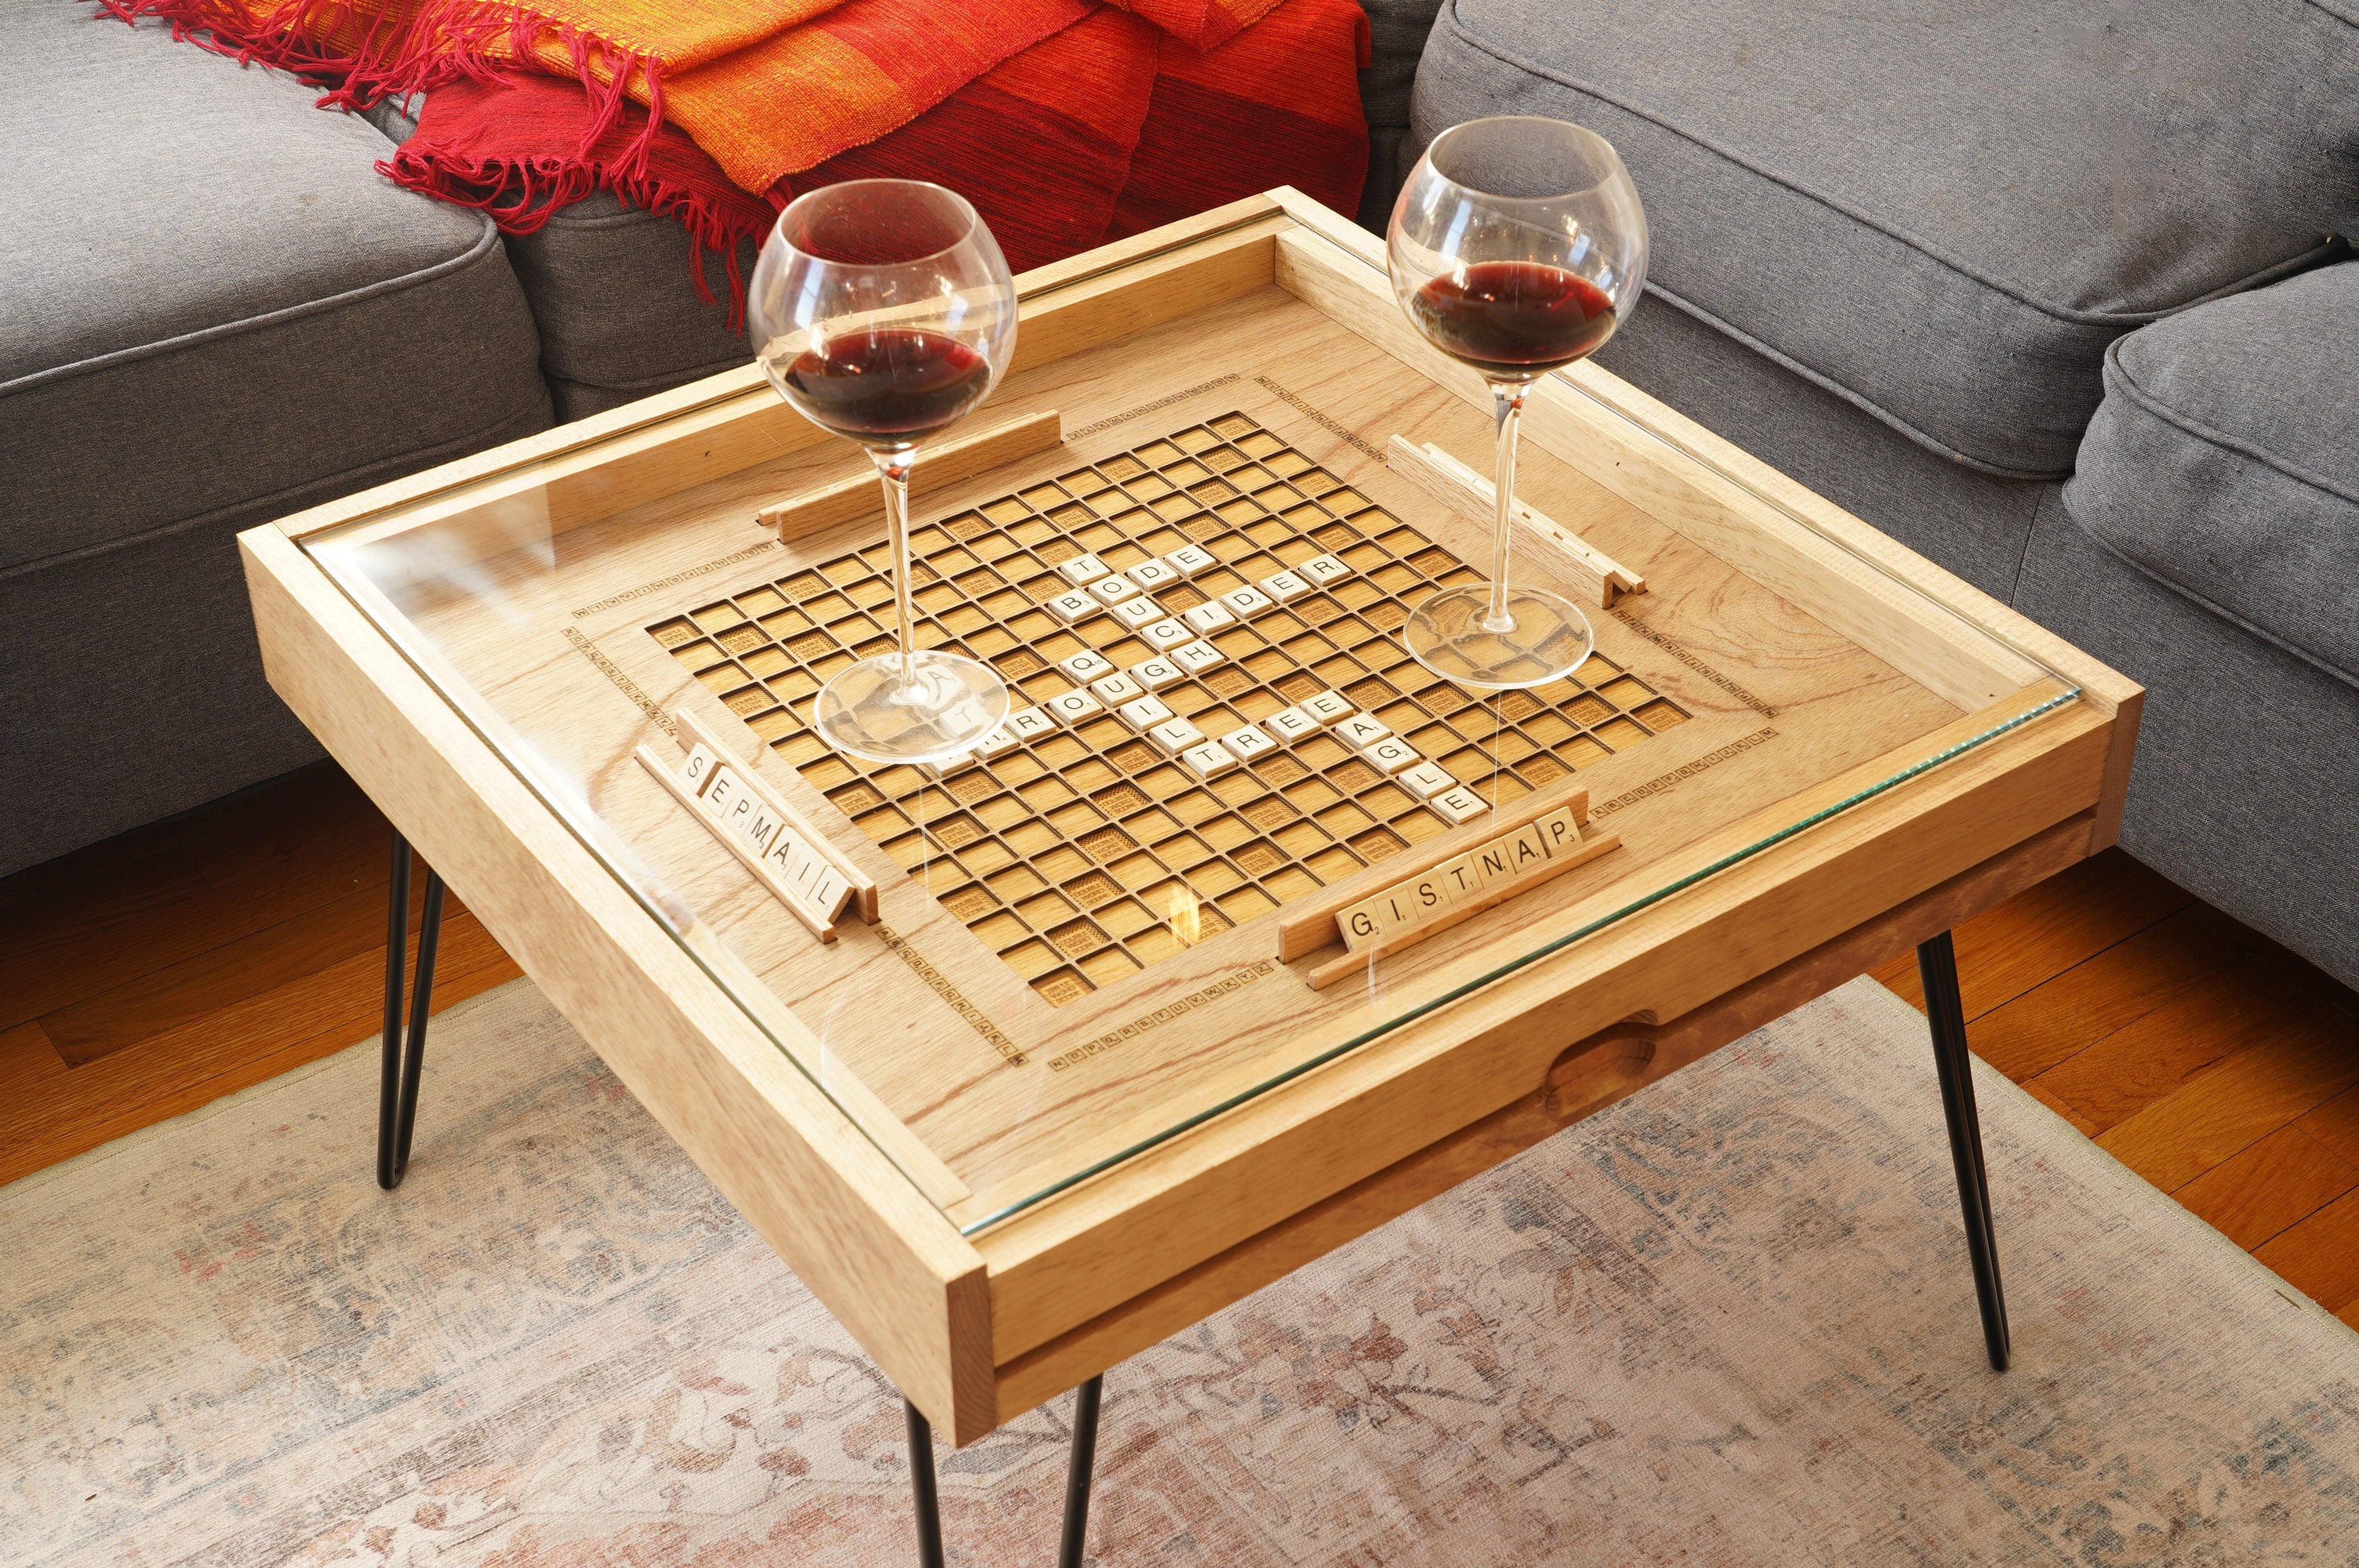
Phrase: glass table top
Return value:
(1082, 943)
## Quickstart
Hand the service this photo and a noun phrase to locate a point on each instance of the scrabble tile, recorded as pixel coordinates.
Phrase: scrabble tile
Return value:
(1113, 590)
(1390, 909)
(998, 744)
(1529, 848)
(1429, 894)
(1196, 657)
(1247, 744)
(795, 863)
(1290, 724)
(1320, 570)
(722, 792)
(1209, 616)
(1072, 605)
(1151, 574)
(1562, 829)
(1391, 754)
(1362, 730)
(1365, 922)
(807, 875)
(1085, 667)
(1166, 635)
(1145, 713)
(1175, 736)
(1114, 691)
(1073, 706)
(1494, 861)
(1327, 706)
(1458, 804)
(758, 829)
(1189, 559)
(1284, 586)
(1155, 674)
(1030, 724)
(1136, 614)
(696, 768)
(1458, 875)
(731, 805)
(1082, 571)
(1245, 603)
(828, 892)
(1427, 779)
(1207, 762)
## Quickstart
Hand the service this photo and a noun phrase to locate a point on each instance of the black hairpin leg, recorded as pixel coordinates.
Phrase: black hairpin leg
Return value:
(1077, 1480)
(397, 1106)
(1937, 965)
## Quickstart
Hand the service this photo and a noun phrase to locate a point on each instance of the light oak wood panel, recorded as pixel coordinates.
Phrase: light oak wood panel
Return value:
(1168, 1208)
(2320, 1256)
(2238, 1102)
(801, 1173)
(2116, 988)
(2013, 949)
(263, 1034)
(1585, 1080)
(2334, 1123)
(2269, 1187)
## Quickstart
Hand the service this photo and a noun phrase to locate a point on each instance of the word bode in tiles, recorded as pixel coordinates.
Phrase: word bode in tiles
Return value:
(1232, 728)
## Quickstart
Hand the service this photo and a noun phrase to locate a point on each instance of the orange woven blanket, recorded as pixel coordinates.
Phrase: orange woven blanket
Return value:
(1038, 110)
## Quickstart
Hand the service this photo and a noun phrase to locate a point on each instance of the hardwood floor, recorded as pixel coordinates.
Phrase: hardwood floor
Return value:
(148, 974)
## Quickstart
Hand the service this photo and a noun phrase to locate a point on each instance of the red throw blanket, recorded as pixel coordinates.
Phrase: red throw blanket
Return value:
(1064, 122)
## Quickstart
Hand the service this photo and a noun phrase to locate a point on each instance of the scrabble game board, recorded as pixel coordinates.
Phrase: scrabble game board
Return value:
(1211, 713)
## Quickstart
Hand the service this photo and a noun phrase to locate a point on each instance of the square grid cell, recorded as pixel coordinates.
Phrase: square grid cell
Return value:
(1085, 853)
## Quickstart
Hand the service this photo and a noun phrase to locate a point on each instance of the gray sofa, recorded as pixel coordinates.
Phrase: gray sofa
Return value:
(2052, 294)
(2048, 293)
(213, 312)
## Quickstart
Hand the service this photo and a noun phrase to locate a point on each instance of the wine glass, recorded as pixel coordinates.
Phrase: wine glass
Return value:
(883, 312)
(1516, 247)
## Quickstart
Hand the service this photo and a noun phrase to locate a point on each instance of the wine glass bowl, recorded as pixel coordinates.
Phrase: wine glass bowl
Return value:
(883, 312)
(1516, 247)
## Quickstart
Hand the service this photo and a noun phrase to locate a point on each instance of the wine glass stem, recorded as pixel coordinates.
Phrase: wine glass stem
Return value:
(893, 467)
(1508, 399)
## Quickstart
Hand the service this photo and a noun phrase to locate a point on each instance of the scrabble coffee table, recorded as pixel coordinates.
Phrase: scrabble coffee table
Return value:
(1243, 934)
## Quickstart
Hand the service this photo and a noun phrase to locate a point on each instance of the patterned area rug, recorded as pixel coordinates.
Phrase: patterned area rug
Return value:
(1729, 1322)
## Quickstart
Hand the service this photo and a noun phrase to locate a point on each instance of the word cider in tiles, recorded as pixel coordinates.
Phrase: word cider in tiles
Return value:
(1417, 899)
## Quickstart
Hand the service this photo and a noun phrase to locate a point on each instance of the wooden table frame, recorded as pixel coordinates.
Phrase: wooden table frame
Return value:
(978, 1329)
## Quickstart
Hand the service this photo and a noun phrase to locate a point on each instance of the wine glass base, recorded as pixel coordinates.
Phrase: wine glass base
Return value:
(1548, 638)
(870, 712)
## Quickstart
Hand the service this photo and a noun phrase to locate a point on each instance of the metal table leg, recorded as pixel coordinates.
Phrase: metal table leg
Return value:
(1077, 1480)
(1937, 965)
(397, 1106)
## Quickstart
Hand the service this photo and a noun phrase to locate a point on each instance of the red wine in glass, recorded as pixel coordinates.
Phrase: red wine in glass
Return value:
(890, 386)
(1514, 319)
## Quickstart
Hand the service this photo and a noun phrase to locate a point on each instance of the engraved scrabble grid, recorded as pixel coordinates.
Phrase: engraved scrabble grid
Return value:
(1084, 850)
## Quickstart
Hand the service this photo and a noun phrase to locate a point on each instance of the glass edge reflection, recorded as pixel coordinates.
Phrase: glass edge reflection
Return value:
(1646, 900)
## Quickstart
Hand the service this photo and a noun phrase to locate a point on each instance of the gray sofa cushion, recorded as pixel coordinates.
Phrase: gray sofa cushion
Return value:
(1942, 213)
(2242, 793)
(213, 296)
(617, 304)
(2225, 461)
(1396, 34)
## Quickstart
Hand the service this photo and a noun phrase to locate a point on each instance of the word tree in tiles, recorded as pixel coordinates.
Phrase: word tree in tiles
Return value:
(1211, 713)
